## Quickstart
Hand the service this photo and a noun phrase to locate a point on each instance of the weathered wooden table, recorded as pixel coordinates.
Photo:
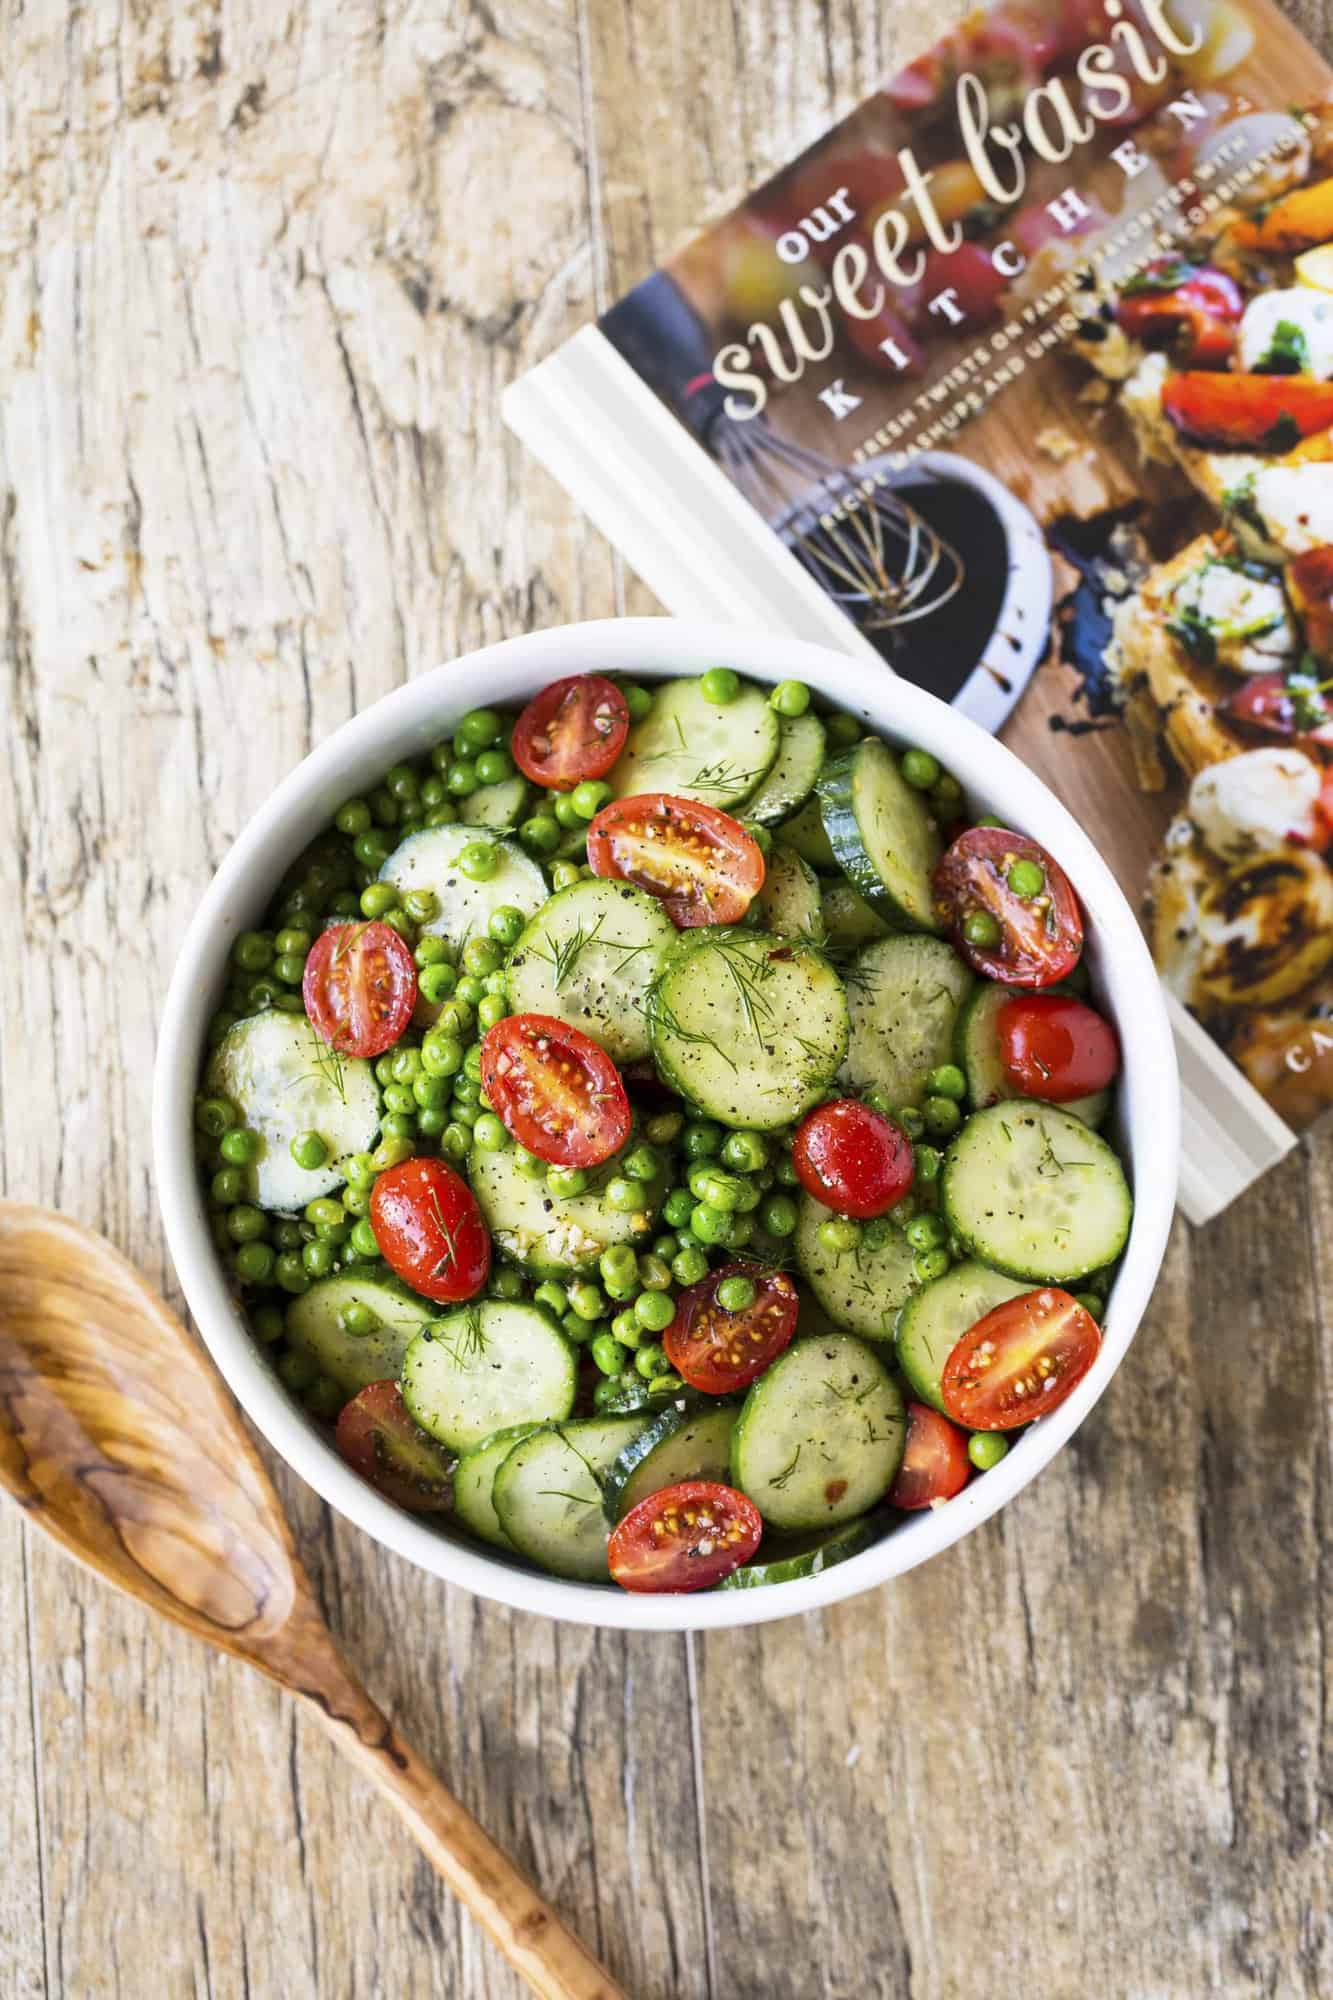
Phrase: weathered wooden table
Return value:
(266, 269)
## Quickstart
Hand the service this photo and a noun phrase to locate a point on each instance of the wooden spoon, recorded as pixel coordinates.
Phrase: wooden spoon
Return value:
(118, 1438)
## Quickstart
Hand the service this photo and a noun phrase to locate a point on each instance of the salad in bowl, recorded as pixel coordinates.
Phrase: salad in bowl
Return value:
(662, 1133)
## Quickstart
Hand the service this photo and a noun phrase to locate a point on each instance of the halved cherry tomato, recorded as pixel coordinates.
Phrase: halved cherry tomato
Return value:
(935, 1462)
(379, 1440)
(1040, 937)
(686, 1537)
(1019, 1361)
(853, 1159)
(430, 1229)
(1247, 412)
(572, 730)
(718, 1351)
(1310, 583)
(1055, 1048)
(1273, 704)
(702, 864)
(866, 336)
(1188, 307)
(969, 272)
(359, 988)
(554, 1090)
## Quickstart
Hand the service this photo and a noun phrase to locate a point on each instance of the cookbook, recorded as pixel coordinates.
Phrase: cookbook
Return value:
(1020, 382)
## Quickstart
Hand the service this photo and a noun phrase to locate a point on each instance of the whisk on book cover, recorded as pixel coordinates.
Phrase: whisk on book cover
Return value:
(1020, 380)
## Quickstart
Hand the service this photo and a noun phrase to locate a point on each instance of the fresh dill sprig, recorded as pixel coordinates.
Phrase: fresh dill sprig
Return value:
(779, 1479)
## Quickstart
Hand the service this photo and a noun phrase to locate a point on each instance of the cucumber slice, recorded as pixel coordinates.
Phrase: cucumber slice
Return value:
(486, 1366)
(787, 1560)
(283, 1079)
(552, 1236)
(681, 1442)
(499, 807)
(804, 834)
(697, 749)
(903, 996)
(849, 922)
(548, 1494)
(429, 860)
(1034, 1192)
(750, 1027)
(355, 1360)
(788, 903)
(977, 1053)
(820, 1436)
(934, 1320)
(882, 833)
(589, 957)
(791, 777)
(859, 1289)
(474, 1482)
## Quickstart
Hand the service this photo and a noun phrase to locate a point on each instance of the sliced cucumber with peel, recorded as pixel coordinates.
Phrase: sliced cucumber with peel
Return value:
(787, 1559)
(977, 1053)
(1034, 1192)
(553, 1235)
(486, 1366)
(431, 860)
(548, 1494)
(882, 834)
(474, 1481)
(903, 997)
(589, 957)
(315, 1326)
(749, 1026)
(934, 1320)
(860, 1289)
(820, 1435)
(284, 1079)
(697, 749)
(804, 834)
(499, 807)
(792, 774)
(680, 1442)
(849, 922)
(788, 903)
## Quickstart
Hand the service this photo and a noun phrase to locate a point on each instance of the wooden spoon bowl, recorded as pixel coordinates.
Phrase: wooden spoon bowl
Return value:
(118, 1439)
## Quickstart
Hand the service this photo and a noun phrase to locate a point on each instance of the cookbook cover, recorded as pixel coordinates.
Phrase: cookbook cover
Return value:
(1021, 381)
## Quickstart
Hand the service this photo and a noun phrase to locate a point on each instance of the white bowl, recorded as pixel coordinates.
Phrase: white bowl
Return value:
(404, 725)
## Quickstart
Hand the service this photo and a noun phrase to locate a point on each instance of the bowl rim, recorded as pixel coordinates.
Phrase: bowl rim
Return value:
(405, 722)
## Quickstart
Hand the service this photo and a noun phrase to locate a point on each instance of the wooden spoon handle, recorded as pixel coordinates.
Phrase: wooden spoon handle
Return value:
(518, 1920)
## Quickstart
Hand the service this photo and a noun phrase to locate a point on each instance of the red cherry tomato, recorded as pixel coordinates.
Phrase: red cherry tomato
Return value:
(1055, 1048)
(379, 1440)
(1273, 705)
(686, 1537)
(554, 1090)
(1019, 1361)
(572, 730)
(359, 988)
(703, 865)
(970, 273)
(1040, 937)
(1188, 307)
(866, 335)
(853, 1159)
(718, 1351)
(935, 1462)
(430, 1230)
(1247, 412)
(1310, 584)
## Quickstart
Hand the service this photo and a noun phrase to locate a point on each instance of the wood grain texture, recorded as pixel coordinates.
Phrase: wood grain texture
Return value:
(265, 272)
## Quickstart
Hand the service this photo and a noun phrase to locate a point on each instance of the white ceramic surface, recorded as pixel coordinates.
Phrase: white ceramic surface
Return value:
(405, 724)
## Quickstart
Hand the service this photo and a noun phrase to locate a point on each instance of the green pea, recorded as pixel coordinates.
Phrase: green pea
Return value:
(268, 1322)
(461, 779)
(608, 1354)
(745, 1152)
(531, 1168)
(431, 950)
(784, 1172)
(318, 1258)
(650, 1361)
(588, 798)
(722, 1190)
(987, 1448)
(928, 1264)
(553, 1297)
(393, 1149)
(562, 805)
(643, 1164)
(422, 905)
(878, 1232)
(214, 1115)
(540, 834)
(911, 1120)
(496, 984)
(919, 769)
(491, 1010)
(246, 1224)
(665, 1128)
(402, 782)
(362, 1238)
(689, 1265)
(358, 1319)
(843, 731)
(372, 850)
(464, 1111)
(324, 1212)
(736, 1294)
(436, 983)
(441, 1054)
(637, 699)
(290, 1273)
(430, 1092)
(455, 1140)
(442, 756)
(678, 1207)
(711, 1224)
(943, 1117)
(790, 698)
(479, 860)
(619, 1271)
(946, 791)
(227, 1186)
(777, 1216)
(623, 1196)
(346, 904)
(947, 1081)
(720, 685)
(701, 1139)
(434, 791)
(296, 1369)
(324, 1398)
(488, 1134)
(253, 1262)
(479, 728)
(481, 955)
(927, 1161)
(287, 1234)
(626, 1329)
(505, 1283)
(564, 874)
(838, 1234)
(654, 1311)
(566, 1181)
(252, 952)
(399, 1125)
(454, 1018)
(494, 766)
(445, 814)
(289, 1003)
(1088, 1300)
(926, 1232)
(377, 899)
(292, 944)
(506, 924)
(654, 1270)
(240, 1147)
(397, 1097)
(587, 1300)
(470, 990)
(1027, 879)
(221, 1024)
